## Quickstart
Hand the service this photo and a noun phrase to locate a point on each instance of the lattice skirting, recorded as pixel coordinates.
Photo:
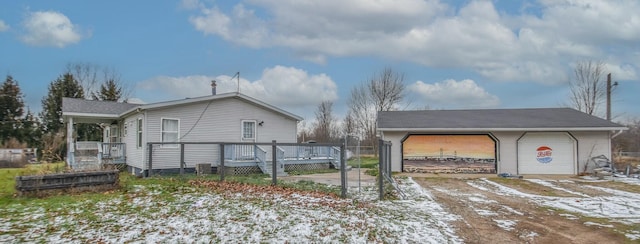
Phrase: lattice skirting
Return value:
(305, 167)
(245, 170)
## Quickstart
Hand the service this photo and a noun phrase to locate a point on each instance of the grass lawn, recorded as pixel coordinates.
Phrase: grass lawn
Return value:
(193, 209)
(203, 210)
(367, 162)
(8, 175)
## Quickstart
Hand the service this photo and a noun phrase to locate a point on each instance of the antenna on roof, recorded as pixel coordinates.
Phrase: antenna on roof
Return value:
(238, 76)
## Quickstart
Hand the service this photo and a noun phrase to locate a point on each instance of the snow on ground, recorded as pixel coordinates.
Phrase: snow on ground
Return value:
(552, 186)
(146, 215)
(621, 206)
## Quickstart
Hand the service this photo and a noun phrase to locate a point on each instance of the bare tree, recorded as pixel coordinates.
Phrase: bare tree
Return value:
(94, 78)
(324, 126)
(588, 88)
(387, 90)
(303, 132)
(628, 140)
(383, 92)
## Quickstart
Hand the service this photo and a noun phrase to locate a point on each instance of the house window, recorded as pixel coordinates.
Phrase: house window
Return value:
(139, 133)
(248, 130)
(170, 131)
(113, 138)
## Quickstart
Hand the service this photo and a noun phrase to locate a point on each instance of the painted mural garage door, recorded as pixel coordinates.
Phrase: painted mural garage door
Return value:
(546, 153)
(449, 154)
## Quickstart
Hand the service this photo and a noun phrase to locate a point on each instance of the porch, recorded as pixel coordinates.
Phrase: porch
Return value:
(239, 158)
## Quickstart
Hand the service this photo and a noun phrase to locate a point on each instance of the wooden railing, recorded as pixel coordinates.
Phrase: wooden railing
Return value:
(113, 153)
(240, 152)
(261, 157)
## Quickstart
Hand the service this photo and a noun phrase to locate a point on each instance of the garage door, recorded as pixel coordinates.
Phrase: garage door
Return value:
(546, 153)
(449, 154)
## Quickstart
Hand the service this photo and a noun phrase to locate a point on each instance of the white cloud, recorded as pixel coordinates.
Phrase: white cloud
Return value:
(245, 28)
(50, 28)
(454, 94)
(281, 86)
(476, 36)
(3, 26)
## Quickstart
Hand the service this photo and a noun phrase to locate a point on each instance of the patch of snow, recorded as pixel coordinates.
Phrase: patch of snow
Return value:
(620, 207)
(509, 209)
(484, 212)
(569, 216)
(552, 186)
(478, 186)
(506, 224)
(589, 223)
(480, 199)
(528, 235)
(633, 235)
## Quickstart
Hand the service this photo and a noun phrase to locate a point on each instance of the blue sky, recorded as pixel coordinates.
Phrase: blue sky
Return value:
(295, 54)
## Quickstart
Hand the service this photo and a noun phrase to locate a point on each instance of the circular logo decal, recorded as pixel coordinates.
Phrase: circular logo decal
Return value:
(544, 154)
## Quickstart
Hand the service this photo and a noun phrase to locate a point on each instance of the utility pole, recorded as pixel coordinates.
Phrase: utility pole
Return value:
(609, 87)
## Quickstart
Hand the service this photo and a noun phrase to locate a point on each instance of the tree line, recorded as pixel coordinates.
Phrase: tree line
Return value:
(20, 128)
(384, 91)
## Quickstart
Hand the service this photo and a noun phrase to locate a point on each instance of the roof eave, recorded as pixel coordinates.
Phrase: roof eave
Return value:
(209, 98)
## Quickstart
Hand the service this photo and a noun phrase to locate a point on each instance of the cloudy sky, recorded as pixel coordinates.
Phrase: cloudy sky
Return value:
(454, 54)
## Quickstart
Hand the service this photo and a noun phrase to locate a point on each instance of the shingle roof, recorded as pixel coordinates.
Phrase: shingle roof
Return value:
(93, 107)
(541, 118)
(79, 105)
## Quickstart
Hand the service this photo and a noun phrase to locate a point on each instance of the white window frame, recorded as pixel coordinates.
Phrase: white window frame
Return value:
(163, 131)
(113, 137)
(139, 129)
(242, 128)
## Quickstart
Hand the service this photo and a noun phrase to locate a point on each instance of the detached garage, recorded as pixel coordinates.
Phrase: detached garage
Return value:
(517, 141)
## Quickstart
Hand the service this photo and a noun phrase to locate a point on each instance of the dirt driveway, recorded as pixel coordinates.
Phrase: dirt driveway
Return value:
(535, 209)
(538, 209)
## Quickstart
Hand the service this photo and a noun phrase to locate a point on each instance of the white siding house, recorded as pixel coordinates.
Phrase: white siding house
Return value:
(229, 117)
(516, 141)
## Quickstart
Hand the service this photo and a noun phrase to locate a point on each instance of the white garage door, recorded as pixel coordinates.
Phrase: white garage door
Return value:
(546, 153)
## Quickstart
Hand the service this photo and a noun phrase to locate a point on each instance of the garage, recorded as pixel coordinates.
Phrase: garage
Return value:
(449, 154)
(513, 141)
(547, 153)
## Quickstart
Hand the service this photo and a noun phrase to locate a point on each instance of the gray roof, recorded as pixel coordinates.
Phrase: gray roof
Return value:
(83, 106)
(108, 109)
(493, 119)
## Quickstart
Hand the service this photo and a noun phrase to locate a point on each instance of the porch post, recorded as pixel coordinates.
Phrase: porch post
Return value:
(70, 146)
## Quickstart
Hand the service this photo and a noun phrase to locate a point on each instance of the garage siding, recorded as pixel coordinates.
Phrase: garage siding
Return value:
(589, 144)
(547, 153)
(507, 151)
(396, 149)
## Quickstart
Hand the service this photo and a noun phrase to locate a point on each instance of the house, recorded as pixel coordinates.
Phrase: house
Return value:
(129, 128)
(516, 141)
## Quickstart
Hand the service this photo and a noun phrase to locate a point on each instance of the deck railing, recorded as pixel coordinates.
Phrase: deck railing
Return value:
(261, 157)
(113, 153)
(306, 151)
(240, 152)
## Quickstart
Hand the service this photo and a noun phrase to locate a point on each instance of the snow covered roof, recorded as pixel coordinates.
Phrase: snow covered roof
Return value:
(536, 119)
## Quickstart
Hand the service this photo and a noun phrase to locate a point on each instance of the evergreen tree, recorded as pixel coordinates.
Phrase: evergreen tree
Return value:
(30, 130)
(51, 115)
(110, 90)
(11, 110)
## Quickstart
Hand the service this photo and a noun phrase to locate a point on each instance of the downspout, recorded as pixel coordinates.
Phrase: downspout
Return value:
(617, 134)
